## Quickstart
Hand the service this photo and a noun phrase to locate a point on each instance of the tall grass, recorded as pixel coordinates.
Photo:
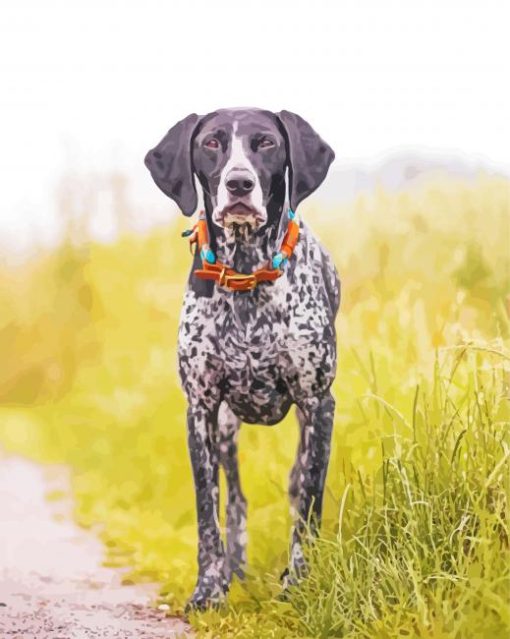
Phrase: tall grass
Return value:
(420, 550)
(415, 534)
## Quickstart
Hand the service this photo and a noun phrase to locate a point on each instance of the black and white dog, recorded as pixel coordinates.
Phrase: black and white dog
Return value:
(247, 356)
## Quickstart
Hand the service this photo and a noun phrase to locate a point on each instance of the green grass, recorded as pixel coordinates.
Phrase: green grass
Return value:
(420, 549)
(415, 534)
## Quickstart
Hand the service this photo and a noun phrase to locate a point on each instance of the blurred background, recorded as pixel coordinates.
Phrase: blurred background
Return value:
(88, 87)
(413, 97)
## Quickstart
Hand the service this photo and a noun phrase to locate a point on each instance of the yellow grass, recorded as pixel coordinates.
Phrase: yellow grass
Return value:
(88, 377)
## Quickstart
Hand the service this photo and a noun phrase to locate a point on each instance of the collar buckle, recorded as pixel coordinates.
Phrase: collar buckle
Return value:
(250, 281)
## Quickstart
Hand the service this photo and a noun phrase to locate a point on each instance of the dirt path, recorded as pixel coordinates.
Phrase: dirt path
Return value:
(52, 585)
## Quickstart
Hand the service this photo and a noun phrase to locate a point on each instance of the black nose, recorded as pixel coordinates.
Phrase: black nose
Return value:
(240, 182)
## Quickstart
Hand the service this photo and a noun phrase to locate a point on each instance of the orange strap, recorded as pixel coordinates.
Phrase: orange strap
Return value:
(290, 239)
(203, 235)
(228, 277)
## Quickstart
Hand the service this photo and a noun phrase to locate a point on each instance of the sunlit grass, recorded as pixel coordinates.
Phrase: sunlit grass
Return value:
(415, 520)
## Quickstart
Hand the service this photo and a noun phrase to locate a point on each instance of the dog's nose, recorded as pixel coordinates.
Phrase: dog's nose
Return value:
(240, 182)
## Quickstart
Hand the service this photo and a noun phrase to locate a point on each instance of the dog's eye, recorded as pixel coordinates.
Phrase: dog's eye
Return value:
(212, 143)
(266, 143)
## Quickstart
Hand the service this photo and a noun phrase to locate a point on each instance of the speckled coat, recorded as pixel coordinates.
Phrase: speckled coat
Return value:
(249, 356)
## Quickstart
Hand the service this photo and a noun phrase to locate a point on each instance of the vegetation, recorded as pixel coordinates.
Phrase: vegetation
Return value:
(415, 534)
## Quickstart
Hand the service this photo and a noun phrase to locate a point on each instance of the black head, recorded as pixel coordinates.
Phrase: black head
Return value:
(240, 157)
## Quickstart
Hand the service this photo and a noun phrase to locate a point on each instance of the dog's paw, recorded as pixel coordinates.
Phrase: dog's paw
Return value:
(294, 573)
(288, 579)
(234, 566)
(209, 593)
(237, 570)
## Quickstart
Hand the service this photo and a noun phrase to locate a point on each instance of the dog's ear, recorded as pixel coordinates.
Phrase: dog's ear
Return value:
(171, 167)
(308, 155)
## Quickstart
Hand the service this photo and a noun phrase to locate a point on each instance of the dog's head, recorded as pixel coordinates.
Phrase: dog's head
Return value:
(240, 157)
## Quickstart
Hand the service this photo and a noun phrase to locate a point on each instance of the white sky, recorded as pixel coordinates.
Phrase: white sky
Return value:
(92, 84)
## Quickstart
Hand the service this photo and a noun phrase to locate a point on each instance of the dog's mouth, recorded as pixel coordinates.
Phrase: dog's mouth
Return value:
(241, 218)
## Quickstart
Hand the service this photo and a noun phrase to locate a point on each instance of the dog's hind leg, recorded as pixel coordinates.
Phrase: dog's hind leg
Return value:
(308, 475)
(228, 427)
(295, 473)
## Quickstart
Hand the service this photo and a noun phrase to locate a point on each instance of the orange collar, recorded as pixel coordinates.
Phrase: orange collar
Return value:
(228, 277)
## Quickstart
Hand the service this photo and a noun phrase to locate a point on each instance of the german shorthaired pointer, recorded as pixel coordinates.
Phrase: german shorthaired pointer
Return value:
(257, 331)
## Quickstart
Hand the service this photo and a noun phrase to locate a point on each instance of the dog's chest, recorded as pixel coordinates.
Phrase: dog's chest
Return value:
(265, 348)
(250, 333)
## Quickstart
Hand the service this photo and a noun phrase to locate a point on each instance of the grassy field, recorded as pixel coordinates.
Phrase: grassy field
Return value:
(415, 534)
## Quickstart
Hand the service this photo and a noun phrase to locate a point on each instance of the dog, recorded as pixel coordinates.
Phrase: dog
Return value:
(257, 327)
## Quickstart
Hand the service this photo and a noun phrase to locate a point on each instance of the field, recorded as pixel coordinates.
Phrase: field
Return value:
(415, 533)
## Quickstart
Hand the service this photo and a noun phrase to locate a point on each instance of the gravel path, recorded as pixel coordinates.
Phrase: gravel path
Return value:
(52, 585)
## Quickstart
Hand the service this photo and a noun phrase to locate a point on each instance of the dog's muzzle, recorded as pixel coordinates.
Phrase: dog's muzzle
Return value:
(241, 215)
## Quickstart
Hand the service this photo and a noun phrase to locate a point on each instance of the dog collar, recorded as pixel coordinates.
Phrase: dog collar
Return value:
(228, 277)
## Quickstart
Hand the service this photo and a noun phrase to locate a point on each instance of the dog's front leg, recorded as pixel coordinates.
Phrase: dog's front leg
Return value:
(309, 475)
(211, 583)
